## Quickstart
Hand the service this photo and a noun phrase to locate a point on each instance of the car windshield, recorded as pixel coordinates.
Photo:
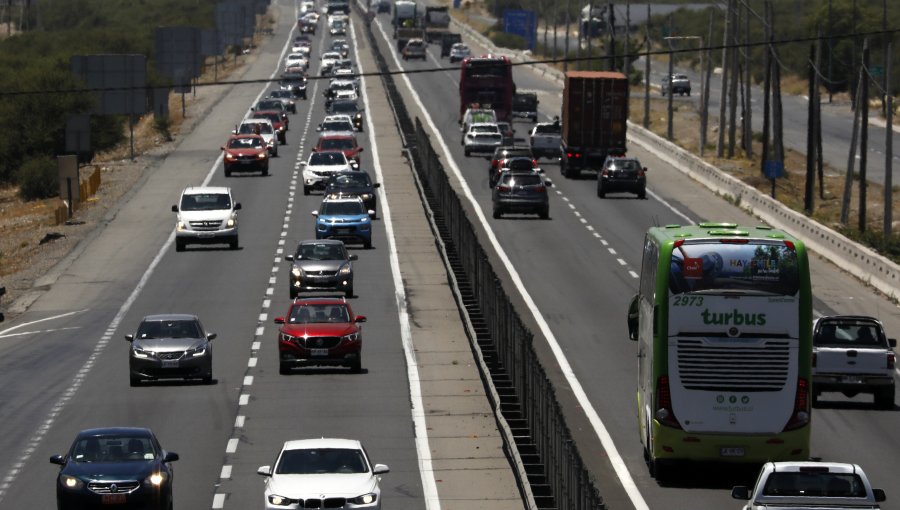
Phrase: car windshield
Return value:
(273, 117)
(313, 461)
(752, 268)
(251, 128)
(269, 105)
(344, 106)
(245, 143)
(354, 179)
(313, 314)
(342, 209)
(485, 129)
(628, 165)
(547, 129)
(168, 329)
(320, 252)
(336, 144)
(280, 94)
(327, 158)
(815, 484)
(205, 202)
(337, 125)
(113, 449)
(849, 334)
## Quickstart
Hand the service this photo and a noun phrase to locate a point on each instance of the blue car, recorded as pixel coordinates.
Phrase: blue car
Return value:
(344, 218)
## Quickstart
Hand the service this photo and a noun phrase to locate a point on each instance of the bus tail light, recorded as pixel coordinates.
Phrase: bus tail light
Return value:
(800, 416)
(664, 413)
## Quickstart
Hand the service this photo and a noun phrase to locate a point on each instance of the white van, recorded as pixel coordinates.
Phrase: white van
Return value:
(206, 215)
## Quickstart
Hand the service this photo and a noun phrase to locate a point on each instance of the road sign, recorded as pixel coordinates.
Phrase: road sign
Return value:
(876, 71)
(522, 23)
(773, 169)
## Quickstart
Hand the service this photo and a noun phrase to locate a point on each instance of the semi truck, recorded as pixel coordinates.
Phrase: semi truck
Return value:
(594, 119)
(436, 22)
(404, 15)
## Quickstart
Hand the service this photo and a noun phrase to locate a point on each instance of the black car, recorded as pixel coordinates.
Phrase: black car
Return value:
(321, 264)
(525, 105)
(341, 46)
(295, 82)
(348, 107)
(521, 193)
(115, 468)
(622, 174)
(357, 183)
(170, 346)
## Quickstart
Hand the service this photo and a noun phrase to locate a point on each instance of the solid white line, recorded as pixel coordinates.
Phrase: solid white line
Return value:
(60, 316)
(218, 501)
(232, 445)
(420, 428)
(45, 331)
(618, 463)
(670, 206)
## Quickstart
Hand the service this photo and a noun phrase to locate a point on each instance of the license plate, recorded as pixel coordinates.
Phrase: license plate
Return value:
(318, 352)
(731, 452)
(170, 363)
(851, 379)
(113, 499)
(343, 230)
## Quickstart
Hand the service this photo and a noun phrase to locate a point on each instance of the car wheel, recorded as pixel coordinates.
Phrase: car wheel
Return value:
(601, 192)
(208, 378)
(233, 243)
(179, 245)
(227, 172)
(884, 398)
(814, 401)
(356, 365)
(282, 141)
(283, 368)
(265, 171)
(642, 194)
(349, 292)
(135, 380)
(306, 190)
(367, 244)
(293, 293)
(467, 153)
(661, 470)
(544, 213)
(498, 213)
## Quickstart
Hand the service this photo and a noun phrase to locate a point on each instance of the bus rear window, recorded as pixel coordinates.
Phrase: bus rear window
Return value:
(751, 268)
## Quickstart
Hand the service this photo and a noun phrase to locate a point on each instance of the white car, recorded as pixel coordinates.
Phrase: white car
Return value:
(482, 137)
(307, 6)
(320, 166)
(458, 52)
(322, 473)
(296, 59)
(206, 215)
(328, 59)
(301, 48)
(262, 127)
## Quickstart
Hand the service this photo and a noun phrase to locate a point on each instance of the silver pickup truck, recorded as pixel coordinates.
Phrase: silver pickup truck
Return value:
(810, 485)
(851, 355)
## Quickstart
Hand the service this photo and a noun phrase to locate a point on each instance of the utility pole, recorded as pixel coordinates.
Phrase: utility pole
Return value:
(726, 39)
(767, 90)
(733, 84)
(888, 150)
(566, 42)
(851, 159)
(820, 171)
(627, 39)
(864, 136)
(830, 51)
(747, 127)
(588, 34)
(704, 88)
(555, 27)
(808, 203)
(611, 48)
(647, 72)
(668, 84)
(778, 118)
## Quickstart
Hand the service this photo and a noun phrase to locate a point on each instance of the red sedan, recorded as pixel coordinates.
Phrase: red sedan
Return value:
(320, 331)
(343, 142)
(246, 152)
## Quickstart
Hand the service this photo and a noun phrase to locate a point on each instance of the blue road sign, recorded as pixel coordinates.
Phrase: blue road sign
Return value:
(773, 169)
(522, 23)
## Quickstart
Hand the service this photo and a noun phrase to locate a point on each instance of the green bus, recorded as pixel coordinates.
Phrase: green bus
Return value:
(723, 324)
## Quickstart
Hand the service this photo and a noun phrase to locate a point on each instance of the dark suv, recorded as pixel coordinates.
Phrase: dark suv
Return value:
(517, 192)
(622, 174)
(320, 331)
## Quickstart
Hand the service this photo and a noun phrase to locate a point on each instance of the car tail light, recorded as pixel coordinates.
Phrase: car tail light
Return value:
(891, 360)
(540, 189)
(534, 163)
(503, 189)
(664, 413)
(605, 173)
(800, 416)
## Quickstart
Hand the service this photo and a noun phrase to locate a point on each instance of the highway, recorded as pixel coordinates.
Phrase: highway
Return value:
(63, 364)
(581, 267)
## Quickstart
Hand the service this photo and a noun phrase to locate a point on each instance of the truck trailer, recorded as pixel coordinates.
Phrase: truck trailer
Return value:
(594, 119)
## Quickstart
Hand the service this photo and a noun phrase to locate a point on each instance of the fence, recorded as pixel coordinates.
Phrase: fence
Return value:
(87, 188)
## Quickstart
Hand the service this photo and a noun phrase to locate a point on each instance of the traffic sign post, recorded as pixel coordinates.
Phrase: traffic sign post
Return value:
(773, 169)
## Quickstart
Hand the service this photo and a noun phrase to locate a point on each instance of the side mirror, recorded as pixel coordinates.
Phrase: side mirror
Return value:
(174, 208)
(170, 457)
(892, 342)
(354, 256)
(303, 163)
(315, 213)
(59, 460)
(740, 492)
(129, 338)
(633, 316)
(380, 469)
(376, 185)
(289, 258)
(319, 128)
(645, 169)
(371, 212)
(279, 320)
(211, 336)
(223, 148)
(548, 183)
(879, 495)
(360, 318)
(237, 206)
(264, 470)
(362, 149)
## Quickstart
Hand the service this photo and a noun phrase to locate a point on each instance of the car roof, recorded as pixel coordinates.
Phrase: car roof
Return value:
(170, 317)
(197, 190)
(797, 466)
(256, 120)
(114, 431)
(319, 301)
(320, 241)
(336, 135)
(302, 444)
(342, 198)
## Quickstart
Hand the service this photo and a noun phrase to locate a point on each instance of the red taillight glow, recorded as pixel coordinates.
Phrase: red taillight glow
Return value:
(790, 245)
(540, 189)
(800, 416)
(664, 413)
(734, 241)
(503, 189)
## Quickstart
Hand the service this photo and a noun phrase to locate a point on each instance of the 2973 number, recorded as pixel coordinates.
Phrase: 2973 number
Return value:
(688, 301)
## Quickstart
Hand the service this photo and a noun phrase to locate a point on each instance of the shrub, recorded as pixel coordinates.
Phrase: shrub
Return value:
(506, 40)
(38, 178)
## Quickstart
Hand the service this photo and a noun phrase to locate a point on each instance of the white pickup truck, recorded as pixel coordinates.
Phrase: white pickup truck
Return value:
(544, 139)
(851, 355)
(810, 485)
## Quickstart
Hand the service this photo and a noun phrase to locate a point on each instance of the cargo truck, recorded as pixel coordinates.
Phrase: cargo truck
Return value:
(594, 115)
(436, 22)
(404, 15)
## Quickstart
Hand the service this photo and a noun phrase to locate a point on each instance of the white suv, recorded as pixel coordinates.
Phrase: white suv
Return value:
(206, 215)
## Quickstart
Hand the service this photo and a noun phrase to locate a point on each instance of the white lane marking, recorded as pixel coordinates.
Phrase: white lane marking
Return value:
(218, 501)
(226, 471)
(582, 220)
(251, 362)
(259, 330)
(263, 317)
(248, 380)
(622, 262)
(420, 428)
(255, 345)
(611, 251)
(266, 304)
(45, 331)
(604, 242)
(670, 206)
(618, 463)
(45, 319)
(591, 228)
(232, 445)
(633, 274)
(239, 422)
(244, 399)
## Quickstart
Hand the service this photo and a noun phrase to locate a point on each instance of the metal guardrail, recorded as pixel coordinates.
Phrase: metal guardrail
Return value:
(546, 461)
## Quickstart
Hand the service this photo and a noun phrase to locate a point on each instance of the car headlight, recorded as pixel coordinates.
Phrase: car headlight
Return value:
(366, 219)
(262, 155)
(229, 156)
(366, 196)
(140, 353)
(345, 269)
(70, 482)
(352, 337)
(231, 222)
(365, 499)
(199, 351)
(180, 226)
(156, 479)
(279, 500)
(296, 271)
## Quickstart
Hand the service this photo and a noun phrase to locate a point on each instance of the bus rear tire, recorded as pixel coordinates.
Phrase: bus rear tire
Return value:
(661, 470)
